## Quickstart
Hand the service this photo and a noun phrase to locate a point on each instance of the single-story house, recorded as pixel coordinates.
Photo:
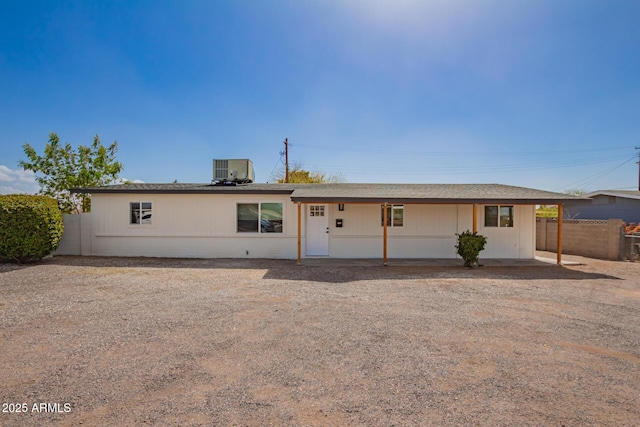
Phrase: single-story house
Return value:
(606, 204)
(296, 221)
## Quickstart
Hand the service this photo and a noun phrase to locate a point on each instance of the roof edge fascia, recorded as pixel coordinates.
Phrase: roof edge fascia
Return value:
(466, 201)
(185, 191)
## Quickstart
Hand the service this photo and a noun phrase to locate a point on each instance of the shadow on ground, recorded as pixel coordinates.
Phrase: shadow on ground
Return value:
(329, 272)
(353, 274)
(7, 266)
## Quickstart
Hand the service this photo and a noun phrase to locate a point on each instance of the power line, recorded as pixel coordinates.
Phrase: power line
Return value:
(275, 166)
(595, 177)
(595, 158)
(388, 151)
(638, 148)
(447, 169)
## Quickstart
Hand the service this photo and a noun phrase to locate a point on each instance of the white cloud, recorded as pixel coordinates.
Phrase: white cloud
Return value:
(17, 181)
(7, 174)
(125, 180)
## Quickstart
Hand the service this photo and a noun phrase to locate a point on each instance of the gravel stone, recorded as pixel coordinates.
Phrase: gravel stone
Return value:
(192, 342)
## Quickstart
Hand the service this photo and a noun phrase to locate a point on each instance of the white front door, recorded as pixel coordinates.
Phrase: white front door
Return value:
(317, 230)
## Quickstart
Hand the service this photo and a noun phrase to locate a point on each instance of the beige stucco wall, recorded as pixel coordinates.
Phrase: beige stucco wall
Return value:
(204, 226)
(188, 225)
(510, 242)
(428, 232)
(76, 238)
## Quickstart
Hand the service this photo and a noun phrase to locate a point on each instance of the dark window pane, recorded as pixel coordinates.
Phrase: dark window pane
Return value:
(247, 218)
(388, 215)
(135, 213)
(490, 216)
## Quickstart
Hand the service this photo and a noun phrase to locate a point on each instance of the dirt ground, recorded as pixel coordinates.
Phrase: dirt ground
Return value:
(122, 342)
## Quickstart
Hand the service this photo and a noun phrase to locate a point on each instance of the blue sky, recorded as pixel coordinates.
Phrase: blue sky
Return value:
(536, 93)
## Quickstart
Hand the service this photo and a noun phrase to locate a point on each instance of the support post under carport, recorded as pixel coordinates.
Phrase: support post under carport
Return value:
(299, 233)
(384, 234)
(559, 251)
(475, 218)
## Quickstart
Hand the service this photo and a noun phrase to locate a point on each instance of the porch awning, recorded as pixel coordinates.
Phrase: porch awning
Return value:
(427, 193)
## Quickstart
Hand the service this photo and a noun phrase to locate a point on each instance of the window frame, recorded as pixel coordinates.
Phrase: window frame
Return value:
(141, 209)
(260, 218)
(391, 219)
(510, 218)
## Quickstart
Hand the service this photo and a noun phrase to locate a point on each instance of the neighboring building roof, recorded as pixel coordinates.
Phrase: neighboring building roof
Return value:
(615, 193)
(364, 193)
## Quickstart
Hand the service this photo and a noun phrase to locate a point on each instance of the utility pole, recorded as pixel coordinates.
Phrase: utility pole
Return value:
(286, 160)
(638, 162)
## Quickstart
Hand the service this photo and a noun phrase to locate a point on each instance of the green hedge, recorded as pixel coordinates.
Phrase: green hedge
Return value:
(30, 227)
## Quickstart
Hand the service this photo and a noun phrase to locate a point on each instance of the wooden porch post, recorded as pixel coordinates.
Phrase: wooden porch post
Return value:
(384, 234)
(559, 251)
(299, 233)
(475, 218)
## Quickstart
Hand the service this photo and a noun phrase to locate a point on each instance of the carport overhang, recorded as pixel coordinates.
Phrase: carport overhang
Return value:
(388, 195)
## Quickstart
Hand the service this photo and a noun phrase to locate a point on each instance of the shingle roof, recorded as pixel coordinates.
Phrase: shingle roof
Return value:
(427, 193)
(366, 193)
(617, 193)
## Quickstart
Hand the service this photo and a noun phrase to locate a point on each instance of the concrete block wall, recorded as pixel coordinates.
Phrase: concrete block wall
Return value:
(602, 239)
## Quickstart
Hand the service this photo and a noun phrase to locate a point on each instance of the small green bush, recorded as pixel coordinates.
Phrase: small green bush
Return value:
(469, 247)
(30, 227)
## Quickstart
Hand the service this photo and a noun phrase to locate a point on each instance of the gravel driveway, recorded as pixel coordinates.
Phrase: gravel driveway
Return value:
(123, 342)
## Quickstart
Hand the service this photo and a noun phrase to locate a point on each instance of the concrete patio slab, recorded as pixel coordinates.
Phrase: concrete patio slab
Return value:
(429, 262)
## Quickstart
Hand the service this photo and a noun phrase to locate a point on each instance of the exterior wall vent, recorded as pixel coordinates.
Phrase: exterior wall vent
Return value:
(239, 171)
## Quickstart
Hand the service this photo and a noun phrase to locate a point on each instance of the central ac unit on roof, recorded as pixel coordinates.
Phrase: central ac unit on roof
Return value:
(233, 170)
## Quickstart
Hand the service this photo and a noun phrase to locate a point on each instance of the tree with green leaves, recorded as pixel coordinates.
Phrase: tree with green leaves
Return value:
(62, 168)
(545, 211)
(297, 175)
(575, 192)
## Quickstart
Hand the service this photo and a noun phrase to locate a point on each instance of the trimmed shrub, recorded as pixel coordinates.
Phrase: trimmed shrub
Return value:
(30, 227)
(469, 247)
